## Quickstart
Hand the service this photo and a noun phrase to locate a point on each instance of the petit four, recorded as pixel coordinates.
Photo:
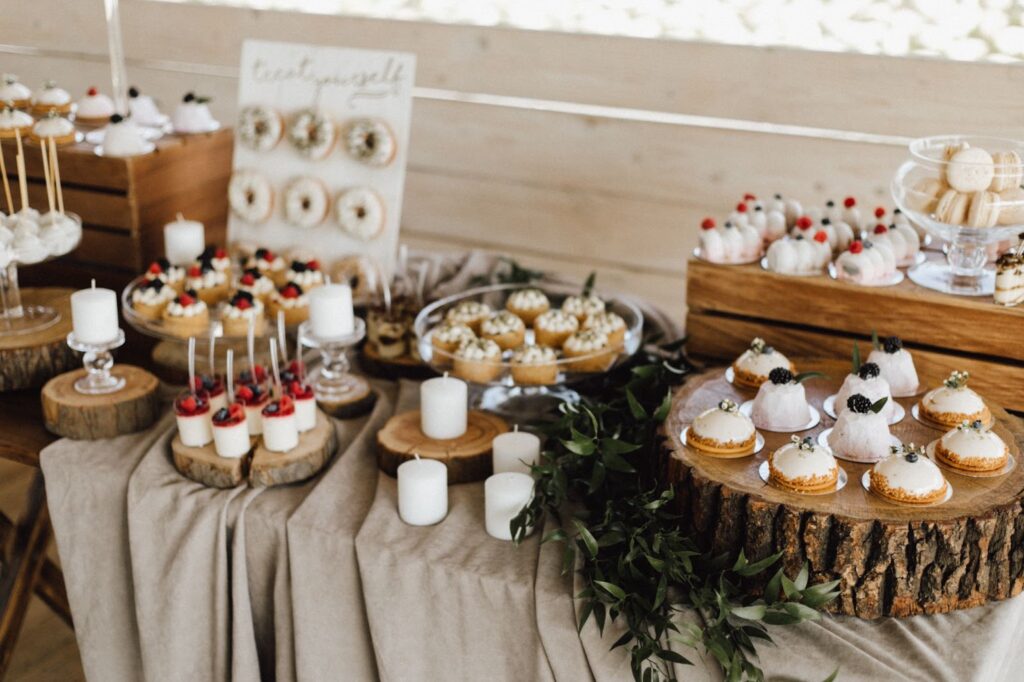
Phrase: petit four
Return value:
(906, 475)
(254, 397)
(307, 274)
(192, 115)
(972, 447)
(781, 402)
(527, 304)
(270, 264)
(609, 324)
(730, 242)
(470, 313)
(450, 335)
(851, 214)
(94, 108)
(16, 94)
(478, 361)
(803, 466)
(150, 298)
(305, 404)
(242, 308)
(144, 110)
(504, 328)
(868, 382)
(799, 256)
(210, 284)
(1010, 277)
(534, 365)
(186, 315)
(554, 327)
(954, 403)
(840, 234)
(51, 99)
(861, 433)
(280, 430)
(722, 430)
(13, 122)
(192, 414)
(866, 263)
(172, 275)
(582, 307)
(293, 301)
(55, 128)
(256, 283)
(752, 368)
(896, 365)
(588, 351)
(231, 431)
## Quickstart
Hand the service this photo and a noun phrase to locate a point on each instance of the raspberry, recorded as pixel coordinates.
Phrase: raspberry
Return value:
(741, 207)
(849, 202)
(92, 92)
(188, 404)
(868, 370)
(290, 291)
(749, 197)
(881, 229)
(313, 264)
(879, 212)
(245, 393)
(186, 300)
(858, 403)
(243, 304)
(780, 375)
(707, 224)
(295, 388)
(892, 344)
(220, 253)
(155, 269)
(248, 280)
(195, 271)
(821, 236)
(804, 222)
(857, 247)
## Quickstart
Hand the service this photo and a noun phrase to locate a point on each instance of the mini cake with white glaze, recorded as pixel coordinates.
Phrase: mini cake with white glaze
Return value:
(56, 128)
(799, 256)
(753, 366)
(722, 430)
(192, 415)
(14, 122)
(868, 382)
(94, 108)
(51, 99)
(504, 328)
(534, 365)
(729, 243)
(897, 366)
(478, 360)
(803, 466)
(861, 434)
(780, 403)
(789, 207)
(954, 403)
(122, 138)
(906, 475)
(193, 115)
(866, 263)
(528, 304)
(15, 93)
(144, 110)
(904, 242)
(972, 447)
(554, 327)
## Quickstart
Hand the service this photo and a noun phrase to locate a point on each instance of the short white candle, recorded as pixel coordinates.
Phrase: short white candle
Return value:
(330, 311)
(515, 451)
(505, 495)
(444, 407)
(94, 315)
(184, 240)
(422, 492)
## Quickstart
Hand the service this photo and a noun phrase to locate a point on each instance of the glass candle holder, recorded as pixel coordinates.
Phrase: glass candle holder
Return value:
(332, 381)
(98, 362)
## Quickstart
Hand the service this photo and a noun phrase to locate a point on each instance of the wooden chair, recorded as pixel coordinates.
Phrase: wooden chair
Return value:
(24, 568)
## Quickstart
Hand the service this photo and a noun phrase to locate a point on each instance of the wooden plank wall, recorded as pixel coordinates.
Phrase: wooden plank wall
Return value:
(571, 152)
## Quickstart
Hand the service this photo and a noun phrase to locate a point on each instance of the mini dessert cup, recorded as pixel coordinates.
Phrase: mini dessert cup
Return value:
(280, 429)
(213, 388)
(305, 405)
(254, 397)
(192, 414)
(231, 431)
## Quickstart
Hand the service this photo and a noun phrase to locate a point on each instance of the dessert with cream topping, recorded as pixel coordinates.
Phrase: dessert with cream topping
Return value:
(470, 313)
(173, 275)
(280, 430)
(293, 301)
(866, 263)
(256, 283)
(212, 387)
(240, 309)
(210, 284)
(609, 324)
(527, 304)
(14, 121)
(588, 351)
(270, 264)
(868, 382)
(582, 307)
(799, 256)
(253, 396)
(217, 258)
(94, 108)
(752, 368)
(861, 432)
(1009, 289)
(449, 336)
(231, 431)
(15, 93)
(781, 402)
(51, 99)
(504, 328)
(722, 430)
(55, 128)
(305, 404)
(144, 110)
(306, 274)
(193, 115)
(192, 415)
(954, 403)
(803, 466)
(122, 138)
(186, 315)
(478, 361)
(554, 327)
(906, 475)
(150, 297)
(534, 365)
(897, 366)
(729, 243)
(903, 240)
(972, 447)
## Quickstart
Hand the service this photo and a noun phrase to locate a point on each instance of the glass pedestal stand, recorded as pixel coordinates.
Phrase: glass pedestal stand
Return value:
(98, 361)
(16, 318)
(963, 274)
(522, 403)
(332, 381)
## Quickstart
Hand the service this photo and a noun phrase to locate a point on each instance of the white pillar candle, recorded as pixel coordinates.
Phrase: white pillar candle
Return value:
(94, 315)
(184, 240)
(330, 311)
(515, 451)
(422, 492)
(505, 495)
(444, 404)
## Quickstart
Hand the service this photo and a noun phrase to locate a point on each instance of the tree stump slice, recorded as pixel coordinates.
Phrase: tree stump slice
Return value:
(30, 360)
(204, 465)
(315, 449)
(891, 560)
(405, 366)
(468, 458)
(359, 401)
(71, 414)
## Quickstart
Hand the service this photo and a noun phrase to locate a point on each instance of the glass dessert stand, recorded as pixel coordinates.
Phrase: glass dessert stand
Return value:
(918, 188)
(503, 394)
(17, 318)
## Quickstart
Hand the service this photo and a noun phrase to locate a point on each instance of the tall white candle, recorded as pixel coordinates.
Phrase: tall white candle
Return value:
(444, 406)
(94, 315)
(505, 495)
(422, 492)
(515, 451)
(330, 311)
(184, 240)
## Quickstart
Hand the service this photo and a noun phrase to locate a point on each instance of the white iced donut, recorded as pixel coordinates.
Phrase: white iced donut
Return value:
(251, 196)
(360, 273)
(370, 141)
(305, 202)
(360, 212)
(311, 134)
(260, 128)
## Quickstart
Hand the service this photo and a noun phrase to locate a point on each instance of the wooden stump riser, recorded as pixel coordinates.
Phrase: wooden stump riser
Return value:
(30, 360)
(70, 414)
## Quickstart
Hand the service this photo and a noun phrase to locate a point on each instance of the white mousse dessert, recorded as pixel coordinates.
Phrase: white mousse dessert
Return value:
(799, 256)
(869, 383)
(305, 405)
(730, 242)
(860, 434)
(254, 396)
(231, 431)
(972, 447)
(123, 138)
(193, 116)
(280, 430)
(780, 403)
(954, 403)
(866, 263)
(144, 110)
(192, 414)
(803, 466)
(897, 367)
(754, 365)
(723, 430)
(906, 475)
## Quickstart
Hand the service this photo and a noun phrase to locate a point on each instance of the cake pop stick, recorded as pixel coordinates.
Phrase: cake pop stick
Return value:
(229, 370)
(20, 161)
(192, 365)
(275, 368)
(282, 339)
(7, 184)
(46, 174)
(55, 171)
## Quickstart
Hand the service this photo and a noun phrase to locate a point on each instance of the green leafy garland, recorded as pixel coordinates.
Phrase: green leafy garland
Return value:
(638, 565)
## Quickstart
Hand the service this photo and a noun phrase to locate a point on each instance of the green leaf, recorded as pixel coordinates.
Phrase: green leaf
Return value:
(611, 588)
(619, 447)
(833, 676)
(874, 340)
(580, 447)
(673, 657)
(801, 578)
(616, 463)
(659, 595)
(588, 539)
(856, 358)
(585, 611)
(801, 611)
(804, 376)
(758, 566)
(753, 612)
(588, 286)
(663, 409)
(877, 406)
(635, 407)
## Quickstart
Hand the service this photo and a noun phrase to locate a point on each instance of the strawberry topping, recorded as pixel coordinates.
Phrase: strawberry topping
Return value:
(298, 391)
(849, 202)
(186, 300)
(880, 211)
(155, 269)
(821, 236)
(220, 253)
(857, 247)
(881, 229)
(191, 404)
(92, 92)
(243, 304)
(804, 222)
(741, 207)
(195, 271)
(290, 291)
(248, 280)
(313, 264)
(749, 197)
(707, 224)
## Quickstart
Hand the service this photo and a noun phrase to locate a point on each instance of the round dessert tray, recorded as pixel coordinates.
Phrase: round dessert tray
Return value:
(82, 416)
(819, 273)
(915, 410)
(894, 441)
(841, 480)
(891, 560)
(865, 481)
(758, 446)
(1011, 462)
(898, 412)
(891, 281)
(747, 409)
(699, 254)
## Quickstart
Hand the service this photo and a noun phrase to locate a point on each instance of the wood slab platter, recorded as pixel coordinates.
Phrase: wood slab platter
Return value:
(468, 457)
(358, 402)
(30, 360)
(891, 560)
(71, 414)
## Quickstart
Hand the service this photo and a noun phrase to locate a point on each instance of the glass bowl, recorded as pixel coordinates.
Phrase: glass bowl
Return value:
(971, 228)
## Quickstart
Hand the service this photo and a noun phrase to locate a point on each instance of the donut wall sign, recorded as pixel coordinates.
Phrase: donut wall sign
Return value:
(320, 150)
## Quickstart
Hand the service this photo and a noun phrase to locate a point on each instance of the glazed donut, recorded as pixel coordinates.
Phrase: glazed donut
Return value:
(260, 128)
(370, 141)
(360, 273)
(360, 212)
(311, 134)
(251, 196)
(305, 202)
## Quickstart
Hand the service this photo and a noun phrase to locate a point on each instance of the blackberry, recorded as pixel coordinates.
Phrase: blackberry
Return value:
(826, 221)
(222, 415)
(858, 403)
(780, 375)
(892, 344)
(911, 456)
(133, 92)
(868, 370)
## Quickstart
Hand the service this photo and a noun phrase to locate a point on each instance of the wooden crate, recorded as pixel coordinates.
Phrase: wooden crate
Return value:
(820, 317)
(124, 203)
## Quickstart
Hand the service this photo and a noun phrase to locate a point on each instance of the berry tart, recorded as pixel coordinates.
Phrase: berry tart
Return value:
(906, 475)
(293, 301)
(478, 361)
(307, 274)
(211, 285)
(449, 336)
(505, 329)
(150, 297)
(609, 324)
(803, 466)
(799, 255)
(751, 369)
(256, 283)
(217, 258)
(186, 315)
(470, 313)
(254, 397)
(527, 304)
(722, 430)
(972, 447)
(554, 327)
(861, 433)
(588, 351)
(868, 382)
(582, 307)
(897, 366)
(240, 309)
(781, 402)
(280, 430)
(305, 404)
(729, 243)
(270, 264)
(534, 366)
(231, 431)
(174, 275)
(192, 414)
(212, 387)
(954, 403)
(866, 263)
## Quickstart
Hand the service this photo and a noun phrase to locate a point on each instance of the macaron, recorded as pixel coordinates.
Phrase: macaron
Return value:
(970, 170)
(925, 193)
(952, 207)
(984, 210)
(951, 150)
(1011, 206)
(1008, 171)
